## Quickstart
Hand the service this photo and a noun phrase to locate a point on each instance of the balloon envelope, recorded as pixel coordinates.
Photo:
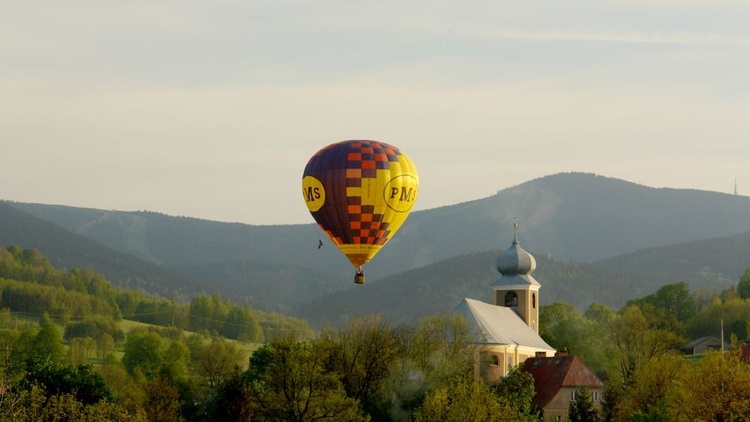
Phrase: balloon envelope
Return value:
(360, 193)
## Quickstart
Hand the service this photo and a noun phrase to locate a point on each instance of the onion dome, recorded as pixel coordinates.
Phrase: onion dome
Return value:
(515, 266)
(515, 261)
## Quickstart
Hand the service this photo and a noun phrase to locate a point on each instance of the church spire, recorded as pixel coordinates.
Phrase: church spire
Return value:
(517, 288)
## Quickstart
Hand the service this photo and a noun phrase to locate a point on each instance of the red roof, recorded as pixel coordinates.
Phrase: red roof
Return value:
(551, 374)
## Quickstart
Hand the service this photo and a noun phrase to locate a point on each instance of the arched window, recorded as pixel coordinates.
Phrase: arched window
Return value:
(533, 300)
(494, 360)
(511, 299)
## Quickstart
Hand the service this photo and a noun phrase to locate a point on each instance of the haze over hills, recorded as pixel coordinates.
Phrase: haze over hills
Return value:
(67, 250)
(712, 265)
(563, 217)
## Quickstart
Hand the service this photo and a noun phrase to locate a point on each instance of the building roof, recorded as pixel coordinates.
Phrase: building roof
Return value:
(551, 374)
(515, 266)
(516, 281)
(515, 260)
(500, 325)
(707, 340)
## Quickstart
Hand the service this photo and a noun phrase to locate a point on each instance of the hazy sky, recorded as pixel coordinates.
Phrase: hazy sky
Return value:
(211, 109)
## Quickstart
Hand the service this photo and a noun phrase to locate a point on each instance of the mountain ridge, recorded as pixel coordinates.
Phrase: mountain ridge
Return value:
(565, 217)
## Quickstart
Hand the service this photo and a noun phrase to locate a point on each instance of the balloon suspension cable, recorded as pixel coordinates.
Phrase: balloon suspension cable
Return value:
(359, 276)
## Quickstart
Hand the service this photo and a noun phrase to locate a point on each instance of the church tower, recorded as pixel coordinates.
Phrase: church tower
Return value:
(516, 288)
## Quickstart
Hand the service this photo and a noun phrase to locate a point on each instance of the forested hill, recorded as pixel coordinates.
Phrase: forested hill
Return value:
(712, 265)
(68, 250)
(566, 217)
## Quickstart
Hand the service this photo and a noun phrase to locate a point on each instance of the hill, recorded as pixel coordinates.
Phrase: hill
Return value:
(564, 217)
(712, 265)
(67, 250)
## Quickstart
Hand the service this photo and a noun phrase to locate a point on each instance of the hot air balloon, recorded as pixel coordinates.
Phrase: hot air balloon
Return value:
(360, 193)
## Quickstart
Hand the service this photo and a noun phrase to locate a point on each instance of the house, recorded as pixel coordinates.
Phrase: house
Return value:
(507, 330)
(557, 380)
(702, 345)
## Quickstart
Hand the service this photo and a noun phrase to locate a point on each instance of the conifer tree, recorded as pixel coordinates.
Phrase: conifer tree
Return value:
(582, 408)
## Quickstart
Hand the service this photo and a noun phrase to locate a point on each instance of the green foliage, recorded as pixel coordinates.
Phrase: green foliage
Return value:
(94, 328)
(515, 392)
(743, 286)
(635, 341)
(716, 388)
(462, 399)
(362, 354)
(582, 409)
(562, 326)
(144, 353)
(648, 387)
(212, 314)
(47, 345)
(81, 382)
(213, 360)
(289, 382)
(232, 401)
(277, 326)
(162, 401)
(707, 322)
(36, 404)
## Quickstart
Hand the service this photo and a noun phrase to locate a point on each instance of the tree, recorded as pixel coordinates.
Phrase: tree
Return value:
(81, 382)
(443, 347)
(717, 388)
(635, 342)
(240, 324)
(516, 392)
(47, 345)
(289, 383)
(743, 287)
(8, 339)
(677, 300)
(162, 401)
(214, 361)
(232, 401)
(144, 352)
(463, 399)
(647, 392)
(125, 389)
(362, 355)
(80, 350)
(582, 409)
(564, 327)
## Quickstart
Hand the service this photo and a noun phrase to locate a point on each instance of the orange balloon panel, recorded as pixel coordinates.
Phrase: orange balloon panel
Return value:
(360, 193)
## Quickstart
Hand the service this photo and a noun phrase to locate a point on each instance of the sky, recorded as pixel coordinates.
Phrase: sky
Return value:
(211, 109)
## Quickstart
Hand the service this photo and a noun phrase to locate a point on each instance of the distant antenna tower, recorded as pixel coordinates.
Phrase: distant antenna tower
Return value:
(735, 186)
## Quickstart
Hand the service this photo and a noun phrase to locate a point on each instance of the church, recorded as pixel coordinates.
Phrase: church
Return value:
(507, 330)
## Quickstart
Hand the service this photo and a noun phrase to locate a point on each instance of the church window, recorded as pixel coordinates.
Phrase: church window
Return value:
(494, 360)
(511, 299)
(533, 300)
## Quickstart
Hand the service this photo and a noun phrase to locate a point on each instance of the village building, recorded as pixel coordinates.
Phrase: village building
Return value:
(702, 345)
(557, 381)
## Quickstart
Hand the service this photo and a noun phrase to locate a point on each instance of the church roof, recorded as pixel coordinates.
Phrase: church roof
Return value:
(515, 266)
(499, 325)
(516, 281)
(515, 260)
